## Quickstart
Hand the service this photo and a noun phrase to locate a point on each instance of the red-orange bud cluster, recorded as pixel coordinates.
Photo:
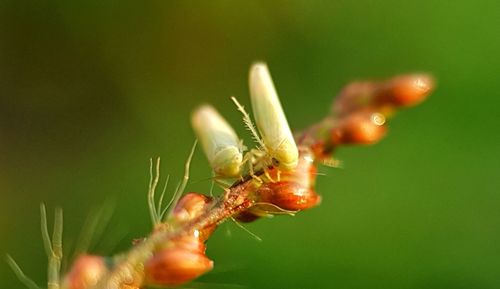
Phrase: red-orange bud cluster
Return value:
(361, 108)
(182, 259)
(289, 196)
(363, 127)
(406, 90)
(400, 91)
(286, 191)
(190, 207)
(85, 272)
(178, 262)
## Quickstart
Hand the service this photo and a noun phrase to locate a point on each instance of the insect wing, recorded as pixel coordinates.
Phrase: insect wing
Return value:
(219, 141)
(270, 118)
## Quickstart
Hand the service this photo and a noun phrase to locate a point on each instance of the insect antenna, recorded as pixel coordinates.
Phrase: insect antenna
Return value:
(249, 125)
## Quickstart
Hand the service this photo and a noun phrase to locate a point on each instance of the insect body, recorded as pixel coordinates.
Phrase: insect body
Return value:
(293, 192)
(219, 141)
(277, 138)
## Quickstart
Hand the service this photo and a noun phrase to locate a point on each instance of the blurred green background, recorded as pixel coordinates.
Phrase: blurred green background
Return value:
(90, 90)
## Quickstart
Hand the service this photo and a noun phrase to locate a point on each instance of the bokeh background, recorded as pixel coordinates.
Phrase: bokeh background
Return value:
(90, 90)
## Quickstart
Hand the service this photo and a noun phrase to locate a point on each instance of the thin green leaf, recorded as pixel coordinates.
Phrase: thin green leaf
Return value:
(20, 274)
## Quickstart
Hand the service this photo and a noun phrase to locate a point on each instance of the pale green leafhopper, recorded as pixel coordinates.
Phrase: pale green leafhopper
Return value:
(270, 119)
(219, 141)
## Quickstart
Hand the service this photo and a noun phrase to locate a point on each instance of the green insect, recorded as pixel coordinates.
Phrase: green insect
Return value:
(220, 143)
(277, 137)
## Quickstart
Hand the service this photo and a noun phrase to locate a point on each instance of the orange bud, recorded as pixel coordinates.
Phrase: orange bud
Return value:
(289, 196)
(407, 90)
(85, 272)
(291, 190)
(175, 266)
(191, 206)
(365, 127)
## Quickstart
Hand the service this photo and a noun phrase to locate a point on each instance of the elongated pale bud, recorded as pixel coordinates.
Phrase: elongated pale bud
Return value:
(270, 119)
(182, 259)
(175, 266)
(219, 141)
(85, 272)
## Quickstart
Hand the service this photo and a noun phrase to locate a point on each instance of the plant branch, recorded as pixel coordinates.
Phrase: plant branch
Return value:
(357, 116)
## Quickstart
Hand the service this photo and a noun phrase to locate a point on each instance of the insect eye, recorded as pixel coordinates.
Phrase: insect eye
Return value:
(275, 162)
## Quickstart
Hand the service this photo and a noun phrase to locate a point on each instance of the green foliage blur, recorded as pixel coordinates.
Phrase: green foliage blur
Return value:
(90, 90)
